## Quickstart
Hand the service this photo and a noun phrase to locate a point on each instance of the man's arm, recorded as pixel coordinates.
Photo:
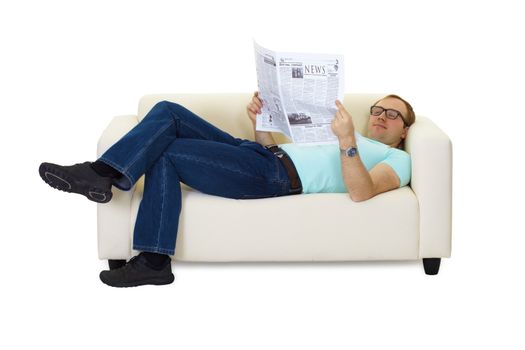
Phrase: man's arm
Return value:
(263, 137)
(360, 183)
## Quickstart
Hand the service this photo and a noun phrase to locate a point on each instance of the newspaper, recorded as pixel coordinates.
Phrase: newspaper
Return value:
(298, 91)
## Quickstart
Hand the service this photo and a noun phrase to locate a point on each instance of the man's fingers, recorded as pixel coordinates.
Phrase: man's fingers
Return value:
(254, 108)
(257, 101)
(340, 105)
(343, 113)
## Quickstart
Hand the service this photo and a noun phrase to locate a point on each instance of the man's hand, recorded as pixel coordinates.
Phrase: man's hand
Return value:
(343, 125)
(254, 107)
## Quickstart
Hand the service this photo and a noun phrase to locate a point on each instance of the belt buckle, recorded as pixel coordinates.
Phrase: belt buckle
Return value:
(279, 153)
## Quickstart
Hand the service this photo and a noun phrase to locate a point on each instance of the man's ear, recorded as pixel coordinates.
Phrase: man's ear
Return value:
(405, 132)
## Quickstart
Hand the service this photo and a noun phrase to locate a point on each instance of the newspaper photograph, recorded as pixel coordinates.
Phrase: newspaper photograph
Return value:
(298, 91)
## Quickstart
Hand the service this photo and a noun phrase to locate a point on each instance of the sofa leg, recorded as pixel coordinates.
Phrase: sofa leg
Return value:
(115, 264)
(431, 265)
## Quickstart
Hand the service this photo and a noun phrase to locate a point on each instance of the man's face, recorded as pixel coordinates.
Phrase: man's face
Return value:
(385, 130)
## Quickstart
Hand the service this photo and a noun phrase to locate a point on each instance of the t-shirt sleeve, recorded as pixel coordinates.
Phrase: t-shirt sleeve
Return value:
(401, 163)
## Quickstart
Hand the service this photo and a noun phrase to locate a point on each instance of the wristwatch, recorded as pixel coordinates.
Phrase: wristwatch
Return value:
(349, 152)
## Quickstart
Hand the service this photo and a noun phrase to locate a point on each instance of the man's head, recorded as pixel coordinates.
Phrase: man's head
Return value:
(381, 125)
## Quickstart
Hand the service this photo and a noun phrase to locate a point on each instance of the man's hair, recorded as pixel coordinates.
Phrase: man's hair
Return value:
(410, 118)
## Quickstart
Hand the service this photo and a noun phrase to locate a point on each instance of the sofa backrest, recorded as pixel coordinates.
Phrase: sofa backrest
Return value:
(228, 110)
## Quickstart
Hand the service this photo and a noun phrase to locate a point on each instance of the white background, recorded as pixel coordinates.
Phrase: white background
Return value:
(68, 67)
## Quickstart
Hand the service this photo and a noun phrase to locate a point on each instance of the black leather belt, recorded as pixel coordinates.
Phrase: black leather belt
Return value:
(295, 181)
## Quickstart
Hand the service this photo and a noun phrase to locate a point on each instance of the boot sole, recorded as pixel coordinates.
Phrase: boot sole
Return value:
(155, 281)
(56, 178)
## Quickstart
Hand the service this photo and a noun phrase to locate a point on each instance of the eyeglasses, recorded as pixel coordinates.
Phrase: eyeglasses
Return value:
(390, 113)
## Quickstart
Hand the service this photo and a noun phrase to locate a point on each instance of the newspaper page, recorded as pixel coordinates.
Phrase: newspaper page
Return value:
(299, 92)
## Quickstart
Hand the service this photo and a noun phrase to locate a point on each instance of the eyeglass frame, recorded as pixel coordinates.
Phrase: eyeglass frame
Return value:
(385, 110)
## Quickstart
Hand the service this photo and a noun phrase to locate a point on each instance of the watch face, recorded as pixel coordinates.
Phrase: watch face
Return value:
(351, 151)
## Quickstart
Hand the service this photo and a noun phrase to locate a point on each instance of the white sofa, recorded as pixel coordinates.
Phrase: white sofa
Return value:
(412, 222)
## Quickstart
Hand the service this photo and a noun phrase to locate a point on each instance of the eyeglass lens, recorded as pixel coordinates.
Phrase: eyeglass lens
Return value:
(390, 113)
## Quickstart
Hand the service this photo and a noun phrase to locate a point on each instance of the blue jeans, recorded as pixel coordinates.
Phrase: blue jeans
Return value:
(172, 145)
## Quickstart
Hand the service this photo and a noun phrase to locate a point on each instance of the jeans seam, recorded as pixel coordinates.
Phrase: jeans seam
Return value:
(156, 248)
(162, 196)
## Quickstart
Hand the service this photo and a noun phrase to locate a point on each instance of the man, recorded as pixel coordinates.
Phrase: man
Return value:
(367, 165)
(172, 145)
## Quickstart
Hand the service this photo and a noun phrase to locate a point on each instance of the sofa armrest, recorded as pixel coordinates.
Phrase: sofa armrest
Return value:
(431, 152)
(113, 218)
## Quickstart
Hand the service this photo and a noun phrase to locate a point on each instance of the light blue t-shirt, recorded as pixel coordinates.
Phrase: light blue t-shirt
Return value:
(319, 167)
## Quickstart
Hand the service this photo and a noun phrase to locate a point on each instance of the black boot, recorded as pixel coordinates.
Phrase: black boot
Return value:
(137, 272)
(80, 178)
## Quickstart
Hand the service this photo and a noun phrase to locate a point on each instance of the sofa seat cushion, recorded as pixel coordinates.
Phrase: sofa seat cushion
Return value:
(305, 227)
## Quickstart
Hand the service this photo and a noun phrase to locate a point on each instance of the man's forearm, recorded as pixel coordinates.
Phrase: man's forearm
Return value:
(355, 176)
(263, 137)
